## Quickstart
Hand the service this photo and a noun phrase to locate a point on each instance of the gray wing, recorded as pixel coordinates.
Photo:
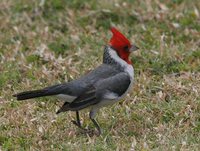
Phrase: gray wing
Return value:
(79, 86)
(113, 86)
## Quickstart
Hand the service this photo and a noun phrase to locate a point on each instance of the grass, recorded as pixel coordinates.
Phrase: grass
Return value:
(48, 42)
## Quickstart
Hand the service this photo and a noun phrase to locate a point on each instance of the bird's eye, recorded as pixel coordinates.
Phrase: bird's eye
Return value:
(126, 48)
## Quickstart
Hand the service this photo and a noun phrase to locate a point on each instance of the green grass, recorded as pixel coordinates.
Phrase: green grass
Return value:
(47, 42)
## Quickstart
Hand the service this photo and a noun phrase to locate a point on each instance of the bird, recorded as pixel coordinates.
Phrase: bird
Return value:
(105, 85)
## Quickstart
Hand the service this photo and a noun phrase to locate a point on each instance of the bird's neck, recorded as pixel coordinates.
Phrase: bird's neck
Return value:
(111, 57)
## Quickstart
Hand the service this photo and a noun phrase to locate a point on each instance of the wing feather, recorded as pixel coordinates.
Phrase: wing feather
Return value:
(115, 85)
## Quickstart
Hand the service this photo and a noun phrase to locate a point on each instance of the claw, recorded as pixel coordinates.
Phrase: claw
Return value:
(76, 123)
(88, 131)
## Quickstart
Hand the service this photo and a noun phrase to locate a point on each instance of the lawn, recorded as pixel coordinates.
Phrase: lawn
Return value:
(46, 42)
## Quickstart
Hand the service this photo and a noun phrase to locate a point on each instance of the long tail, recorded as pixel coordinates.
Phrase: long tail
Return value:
(31, 94)
(48, 91)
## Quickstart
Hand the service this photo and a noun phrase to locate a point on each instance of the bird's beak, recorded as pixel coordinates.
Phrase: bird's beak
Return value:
(133, 48)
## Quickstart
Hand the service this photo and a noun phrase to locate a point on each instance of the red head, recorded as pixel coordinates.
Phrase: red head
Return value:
(121, 45)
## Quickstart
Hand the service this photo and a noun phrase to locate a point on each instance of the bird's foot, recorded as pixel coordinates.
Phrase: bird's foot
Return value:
(90, 132)
(78, 124)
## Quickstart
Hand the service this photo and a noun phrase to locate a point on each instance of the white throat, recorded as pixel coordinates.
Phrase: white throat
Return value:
(127, 67)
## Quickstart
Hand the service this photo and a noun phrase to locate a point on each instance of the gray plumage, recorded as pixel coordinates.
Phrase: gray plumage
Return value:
(76, 88)
(104, 85)
(97, 91)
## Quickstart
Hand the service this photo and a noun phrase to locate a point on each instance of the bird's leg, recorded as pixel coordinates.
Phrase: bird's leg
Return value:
(77, 122)
(97, 126)
(92, 114)
(78, 118)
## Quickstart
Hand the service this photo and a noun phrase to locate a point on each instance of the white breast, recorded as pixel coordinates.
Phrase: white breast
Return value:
(127, 67)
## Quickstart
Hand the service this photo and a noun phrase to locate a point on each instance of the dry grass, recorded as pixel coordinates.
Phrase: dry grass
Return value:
(44, 41)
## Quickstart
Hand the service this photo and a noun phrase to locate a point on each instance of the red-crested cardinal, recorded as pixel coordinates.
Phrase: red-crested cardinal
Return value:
(103, 86)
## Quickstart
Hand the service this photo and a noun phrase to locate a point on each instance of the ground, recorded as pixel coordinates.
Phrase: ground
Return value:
(46, 42)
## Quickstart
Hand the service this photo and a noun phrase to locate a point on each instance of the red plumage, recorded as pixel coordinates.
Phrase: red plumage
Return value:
(118, 40)
(121, 44)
